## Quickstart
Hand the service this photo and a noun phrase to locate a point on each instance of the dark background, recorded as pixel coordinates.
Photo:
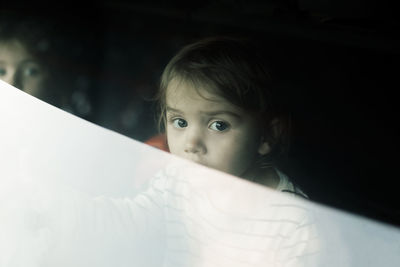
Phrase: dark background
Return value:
(339, 60)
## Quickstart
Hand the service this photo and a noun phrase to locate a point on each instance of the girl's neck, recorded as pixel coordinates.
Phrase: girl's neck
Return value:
(263, 175)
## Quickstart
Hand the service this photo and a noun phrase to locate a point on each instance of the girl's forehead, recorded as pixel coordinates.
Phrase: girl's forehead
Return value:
(14, 50)
(180, 88)
(185, 96)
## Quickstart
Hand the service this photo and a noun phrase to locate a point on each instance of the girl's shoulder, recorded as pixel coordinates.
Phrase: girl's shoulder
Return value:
(287, 186)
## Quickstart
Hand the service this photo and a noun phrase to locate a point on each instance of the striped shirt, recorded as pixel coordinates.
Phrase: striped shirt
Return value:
(188, 216)
(199, 226)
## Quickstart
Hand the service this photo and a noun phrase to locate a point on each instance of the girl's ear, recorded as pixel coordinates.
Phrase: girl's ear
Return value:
(274, 131)
(276, 128)
(264, 148)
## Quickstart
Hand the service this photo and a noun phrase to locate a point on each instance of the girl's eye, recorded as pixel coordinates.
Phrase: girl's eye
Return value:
(179, 123)
(31, 71)
(219, 126)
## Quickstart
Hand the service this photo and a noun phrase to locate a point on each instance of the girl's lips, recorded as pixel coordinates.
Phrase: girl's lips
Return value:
(196, 159)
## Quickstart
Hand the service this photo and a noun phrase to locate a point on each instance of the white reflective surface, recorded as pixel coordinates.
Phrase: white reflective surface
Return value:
(75, 194)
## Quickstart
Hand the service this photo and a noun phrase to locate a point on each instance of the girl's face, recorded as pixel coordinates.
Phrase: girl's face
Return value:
(19, 68)
(211, 131)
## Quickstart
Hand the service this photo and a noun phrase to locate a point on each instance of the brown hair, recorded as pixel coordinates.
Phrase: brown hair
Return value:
(32, 33)
(233, 69)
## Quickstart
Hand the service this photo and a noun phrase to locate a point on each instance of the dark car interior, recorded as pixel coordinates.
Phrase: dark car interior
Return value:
(339, 61)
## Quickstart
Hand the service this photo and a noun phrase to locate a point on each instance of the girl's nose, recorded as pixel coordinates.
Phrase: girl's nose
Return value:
(13, 79)
(194, 142)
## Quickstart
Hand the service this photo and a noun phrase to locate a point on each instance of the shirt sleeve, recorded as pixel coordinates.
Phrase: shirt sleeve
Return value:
(105, 231)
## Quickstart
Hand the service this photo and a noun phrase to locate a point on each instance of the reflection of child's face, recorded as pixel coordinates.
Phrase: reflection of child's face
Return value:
(20, 69)
(209, 130)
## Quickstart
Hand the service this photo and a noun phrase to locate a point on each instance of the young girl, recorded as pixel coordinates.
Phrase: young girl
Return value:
(32, 59)
(20, 64)
(217, 104)
(219, 110)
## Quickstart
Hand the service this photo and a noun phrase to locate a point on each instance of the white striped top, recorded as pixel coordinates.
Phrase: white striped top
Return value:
(189, 216)
(197, 226)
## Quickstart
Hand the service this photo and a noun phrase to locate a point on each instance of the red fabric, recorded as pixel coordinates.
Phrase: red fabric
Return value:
(158, 141)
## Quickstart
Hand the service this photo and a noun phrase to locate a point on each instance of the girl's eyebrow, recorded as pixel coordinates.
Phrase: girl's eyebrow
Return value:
(25, 61)
(208, 113)
(221, 112)
(169, 109)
